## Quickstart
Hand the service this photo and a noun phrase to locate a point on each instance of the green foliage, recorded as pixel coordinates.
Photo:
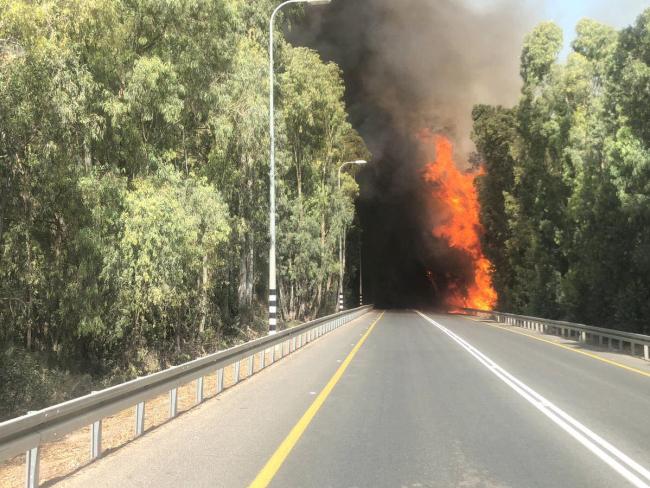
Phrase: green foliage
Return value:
(541, 48)
(565, 194)
(134, 182)
(313, 212)
(494, 133)
(24, 382)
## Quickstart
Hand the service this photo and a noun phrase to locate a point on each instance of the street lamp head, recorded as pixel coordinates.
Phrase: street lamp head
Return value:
(318, 2)
(360, 161)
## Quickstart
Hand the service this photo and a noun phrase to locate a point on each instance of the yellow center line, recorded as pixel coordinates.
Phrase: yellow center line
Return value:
(569, 348)
(272, 466)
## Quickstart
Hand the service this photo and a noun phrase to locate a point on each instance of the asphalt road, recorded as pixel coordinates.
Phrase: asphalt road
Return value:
(440, 402)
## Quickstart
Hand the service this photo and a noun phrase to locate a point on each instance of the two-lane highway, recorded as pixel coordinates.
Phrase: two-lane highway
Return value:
(408, 400)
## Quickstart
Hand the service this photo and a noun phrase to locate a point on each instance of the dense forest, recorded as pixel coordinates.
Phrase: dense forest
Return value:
(134, 186)
(566, 194)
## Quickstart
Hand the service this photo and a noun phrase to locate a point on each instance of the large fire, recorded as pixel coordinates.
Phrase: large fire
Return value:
(460, 227)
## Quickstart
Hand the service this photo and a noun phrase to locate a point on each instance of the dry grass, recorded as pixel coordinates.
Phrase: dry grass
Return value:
(67, 455)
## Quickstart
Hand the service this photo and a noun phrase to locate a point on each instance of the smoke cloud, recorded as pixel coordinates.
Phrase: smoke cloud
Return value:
(410, 65)
(422, 63)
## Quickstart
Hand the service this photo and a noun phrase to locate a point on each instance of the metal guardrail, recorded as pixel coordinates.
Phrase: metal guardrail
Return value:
(626, 342)
(27, 433)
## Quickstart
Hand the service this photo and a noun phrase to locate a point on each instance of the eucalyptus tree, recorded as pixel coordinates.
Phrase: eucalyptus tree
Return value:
(565, 194)
(316, 138)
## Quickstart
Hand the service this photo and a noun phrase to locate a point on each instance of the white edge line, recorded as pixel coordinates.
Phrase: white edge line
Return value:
(578, 431)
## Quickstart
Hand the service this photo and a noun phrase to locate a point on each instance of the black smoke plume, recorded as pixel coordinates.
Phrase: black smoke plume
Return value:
(409, 65)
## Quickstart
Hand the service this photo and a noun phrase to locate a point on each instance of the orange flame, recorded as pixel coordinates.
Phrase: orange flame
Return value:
(461, 227)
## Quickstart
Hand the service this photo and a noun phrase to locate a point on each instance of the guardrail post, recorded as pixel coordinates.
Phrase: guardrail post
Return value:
(97, 407)
(139, 419)
(199, 389)
(219, 380)
(646, 352)
(32, 459)
(583, 336)
(96, 439)
(237, 366)
(262, 359)
(173, 403)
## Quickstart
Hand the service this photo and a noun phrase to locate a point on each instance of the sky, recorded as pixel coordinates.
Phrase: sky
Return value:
(567, 13)
(617, 13)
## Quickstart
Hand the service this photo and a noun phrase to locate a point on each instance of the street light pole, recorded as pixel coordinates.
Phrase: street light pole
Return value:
(341, 264)
(360, 269)
(273, 298)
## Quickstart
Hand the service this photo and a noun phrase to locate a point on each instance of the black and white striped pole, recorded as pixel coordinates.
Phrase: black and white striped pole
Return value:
(341, 241)
(360, 271)
(273, 297)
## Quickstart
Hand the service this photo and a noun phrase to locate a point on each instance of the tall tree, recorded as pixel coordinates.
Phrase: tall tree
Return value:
(575, 213)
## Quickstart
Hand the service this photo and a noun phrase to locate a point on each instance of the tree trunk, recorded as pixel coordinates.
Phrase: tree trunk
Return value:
(87, 153)
(319, 289)
(4, 196)
(204, 294)
(29, 293)
(246, 278)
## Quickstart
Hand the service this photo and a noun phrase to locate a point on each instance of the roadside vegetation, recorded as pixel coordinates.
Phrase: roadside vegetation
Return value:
(566, 194)
(134, 187)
